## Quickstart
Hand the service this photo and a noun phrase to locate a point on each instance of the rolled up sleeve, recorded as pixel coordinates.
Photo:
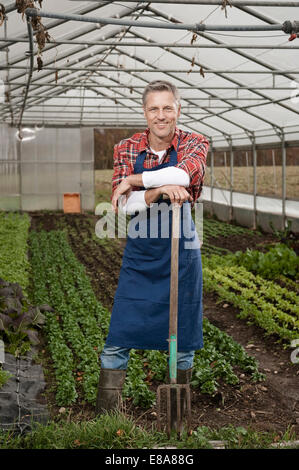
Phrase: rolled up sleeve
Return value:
(170, 175)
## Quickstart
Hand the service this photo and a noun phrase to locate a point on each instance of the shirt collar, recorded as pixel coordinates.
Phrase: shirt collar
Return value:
(144, 143)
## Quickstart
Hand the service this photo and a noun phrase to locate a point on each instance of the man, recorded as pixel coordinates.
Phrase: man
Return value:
(163, 160)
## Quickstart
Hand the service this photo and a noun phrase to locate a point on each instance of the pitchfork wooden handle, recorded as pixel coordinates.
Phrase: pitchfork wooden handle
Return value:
(173, 303)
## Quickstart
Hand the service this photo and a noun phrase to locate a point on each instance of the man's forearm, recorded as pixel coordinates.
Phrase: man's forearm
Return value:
(135, 180)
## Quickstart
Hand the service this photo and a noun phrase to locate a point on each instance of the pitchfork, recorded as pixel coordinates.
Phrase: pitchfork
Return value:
(176, 393)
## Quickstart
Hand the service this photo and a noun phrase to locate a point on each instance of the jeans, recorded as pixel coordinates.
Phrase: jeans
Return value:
(114, 357)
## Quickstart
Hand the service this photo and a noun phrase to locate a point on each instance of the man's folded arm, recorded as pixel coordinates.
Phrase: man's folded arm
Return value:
(165, 176)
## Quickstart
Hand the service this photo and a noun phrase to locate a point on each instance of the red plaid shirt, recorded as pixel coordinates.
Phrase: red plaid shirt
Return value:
(191, 157)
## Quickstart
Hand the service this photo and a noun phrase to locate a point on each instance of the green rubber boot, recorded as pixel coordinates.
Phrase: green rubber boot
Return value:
(110, 390)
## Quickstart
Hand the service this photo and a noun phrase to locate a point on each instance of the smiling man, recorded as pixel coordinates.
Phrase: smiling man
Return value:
(163, 160)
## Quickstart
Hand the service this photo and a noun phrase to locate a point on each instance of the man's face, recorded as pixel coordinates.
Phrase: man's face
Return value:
(161, 112)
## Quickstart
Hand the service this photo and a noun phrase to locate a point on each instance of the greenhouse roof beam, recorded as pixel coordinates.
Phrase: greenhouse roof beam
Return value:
(100, 109)
(288, 26)
(157, 44)
(256, 14)
(191, 87)
(11, 7)
(95, 124)
(145, 70)
(208, 98)
(260, 3)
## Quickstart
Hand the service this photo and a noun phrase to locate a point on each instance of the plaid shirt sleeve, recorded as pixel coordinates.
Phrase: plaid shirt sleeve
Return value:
(121, 166)
(194, 163)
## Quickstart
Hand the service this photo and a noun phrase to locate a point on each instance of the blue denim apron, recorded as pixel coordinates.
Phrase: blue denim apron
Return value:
(140, 314)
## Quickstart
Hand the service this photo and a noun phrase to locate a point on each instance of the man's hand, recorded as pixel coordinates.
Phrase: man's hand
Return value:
(176, 194)
(125, 188)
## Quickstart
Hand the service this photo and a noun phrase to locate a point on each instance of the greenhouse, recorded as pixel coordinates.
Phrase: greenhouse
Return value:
(238, 86)
(73, 74)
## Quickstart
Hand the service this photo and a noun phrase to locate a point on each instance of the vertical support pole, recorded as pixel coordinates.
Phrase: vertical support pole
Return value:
(274, 170)
(254, 156)
(247, 168)
(59, 194)
(212, 178)
(231, 180)
(19, 157)
(81, 136)
(283, 195)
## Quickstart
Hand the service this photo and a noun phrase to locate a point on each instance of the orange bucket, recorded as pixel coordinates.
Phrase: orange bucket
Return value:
(71, 203)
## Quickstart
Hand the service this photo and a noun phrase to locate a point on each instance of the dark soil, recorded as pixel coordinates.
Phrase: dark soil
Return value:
(272, 405)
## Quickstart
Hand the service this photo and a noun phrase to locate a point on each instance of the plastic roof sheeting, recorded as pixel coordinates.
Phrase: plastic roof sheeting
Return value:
(227, 92)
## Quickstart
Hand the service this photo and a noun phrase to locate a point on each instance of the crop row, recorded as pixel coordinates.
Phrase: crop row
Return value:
(215, 228)
(272, 307)
(77, 329)
(14, 264)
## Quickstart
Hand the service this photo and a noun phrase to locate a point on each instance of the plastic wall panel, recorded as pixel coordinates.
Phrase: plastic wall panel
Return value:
(87, 177)
(68, 144)
(56, 161)
(41, 148)
(88, 202)
(68, 177)
(9, 178)
(40, 202)
(9, 170)
(38, 178)
(87, 144)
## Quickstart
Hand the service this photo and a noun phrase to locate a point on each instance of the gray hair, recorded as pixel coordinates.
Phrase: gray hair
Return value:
(161, 85)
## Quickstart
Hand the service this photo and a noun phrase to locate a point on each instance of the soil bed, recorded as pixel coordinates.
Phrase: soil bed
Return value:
(272, 405)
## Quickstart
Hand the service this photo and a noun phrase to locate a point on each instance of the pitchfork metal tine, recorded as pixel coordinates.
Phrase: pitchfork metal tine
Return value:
(178, 400)
(168, 391)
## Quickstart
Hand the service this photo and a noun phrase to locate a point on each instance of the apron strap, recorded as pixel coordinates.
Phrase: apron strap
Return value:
(138, 166)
